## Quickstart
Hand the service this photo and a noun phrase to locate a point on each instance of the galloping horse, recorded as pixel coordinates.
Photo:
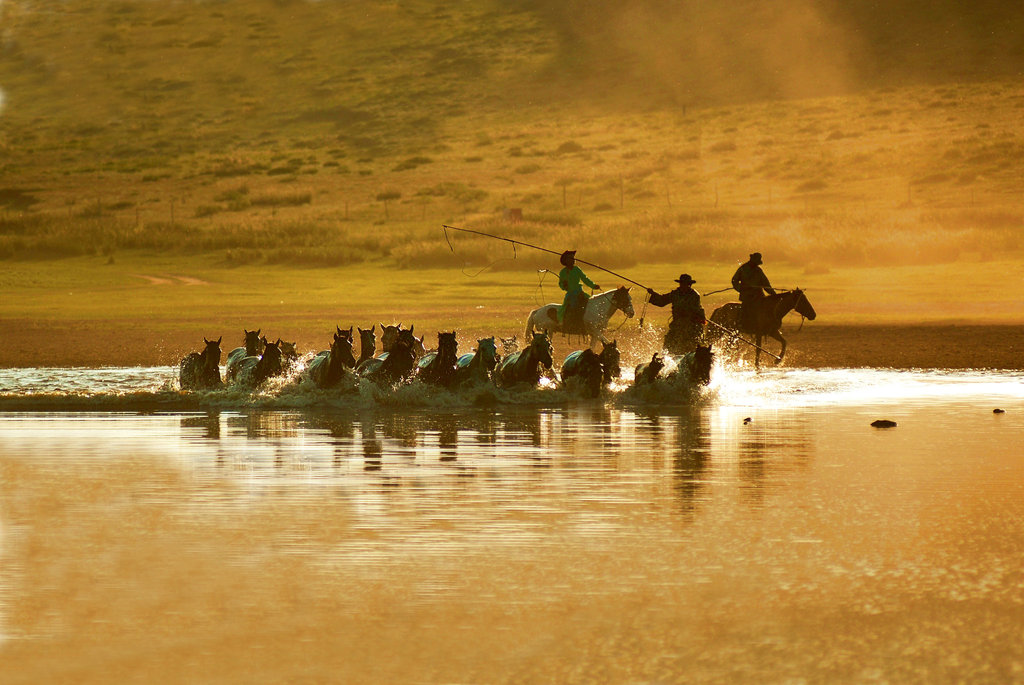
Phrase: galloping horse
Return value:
(252, 347)
(367, 344)
(476, 367)
(201, 370)
(438, 368)
(610, 361)
(253, 371)
(593, 371)
(583, 368)
(648, 371)
(525, 366)
(600, 309)
(329, 367)
(697, 365)
(395, 365)
(767, 318)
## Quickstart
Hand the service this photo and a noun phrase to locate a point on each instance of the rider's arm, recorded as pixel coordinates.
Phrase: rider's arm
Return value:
(583, 277)
(659, 300)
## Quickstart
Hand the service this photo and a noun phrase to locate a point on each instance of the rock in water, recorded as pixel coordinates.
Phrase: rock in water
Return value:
(998, 411)
(883, 423)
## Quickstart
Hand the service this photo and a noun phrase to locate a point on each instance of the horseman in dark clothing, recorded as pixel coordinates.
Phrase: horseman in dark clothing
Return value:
(751, 283)
(688, 318)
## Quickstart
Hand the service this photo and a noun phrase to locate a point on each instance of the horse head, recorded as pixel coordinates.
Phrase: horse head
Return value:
(803, 306)
(341, 349)
(488, 352)
(447, 345)
(211, 353)
(700, 364)
(388, 336)
(622, 300)
(367, 341)
(289, 350)
(610, 360)
(347, 334)
(253, 342)
(540, 346)
(509, 345)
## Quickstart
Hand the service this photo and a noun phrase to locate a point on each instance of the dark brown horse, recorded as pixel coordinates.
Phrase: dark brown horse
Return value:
(766, 318)
(438, 368)
(476, 367)
(201, 370)
(252, 347)
(527, 366)
(329, 367)
(367, 344)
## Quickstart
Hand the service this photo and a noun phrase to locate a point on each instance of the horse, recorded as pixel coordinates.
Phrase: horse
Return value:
(289, 353)
(767, 318)
(438, 368)
(367, 344)
(648, 371)
(476, 367)
(253, 371)
(525, 366)
(697, 365)
(599, 310)
(395, 365)
(610, 361)
(509, 345)
(201, 370)
(252, 346)
(329, 367)
(583, 368)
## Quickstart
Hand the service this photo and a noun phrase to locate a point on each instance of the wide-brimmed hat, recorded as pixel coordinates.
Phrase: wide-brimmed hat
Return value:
(685, 279)
(756, 257)
(566, 256)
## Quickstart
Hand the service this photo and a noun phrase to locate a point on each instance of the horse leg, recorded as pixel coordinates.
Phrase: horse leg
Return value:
(777, 335)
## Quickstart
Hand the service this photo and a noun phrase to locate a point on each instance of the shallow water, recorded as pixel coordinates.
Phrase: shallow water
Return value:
(757, 531)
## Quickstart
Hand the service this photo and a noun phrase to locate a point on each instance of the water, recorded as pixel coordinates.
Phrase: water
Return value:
(759, 530)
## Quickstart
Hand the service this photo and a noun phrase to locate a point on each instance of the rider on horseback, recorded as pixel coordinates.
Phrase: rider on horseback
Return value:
(688, 318)
(751, 283)
(570, 314)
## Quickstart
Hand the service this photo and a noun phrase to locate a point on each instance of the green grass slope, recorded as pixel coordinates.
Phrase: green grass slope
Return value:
(329, 133)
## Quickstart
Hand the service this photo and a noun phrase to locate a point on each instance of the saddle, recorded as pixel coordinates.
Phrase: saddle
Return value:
(572, 320)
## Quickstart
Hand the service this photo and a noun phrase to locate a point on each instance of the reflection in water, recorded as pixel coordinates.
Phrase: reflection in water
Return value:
(654, 544)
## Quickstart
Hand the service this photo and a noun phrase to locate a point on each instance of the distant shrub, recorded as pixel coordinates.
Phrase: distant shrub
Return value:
(528, 169)
(207, 210)
(723, 146)
(603, 207)
(474, 159)
(811, 186)
(556, 218)
(568, 147)
(282, 199)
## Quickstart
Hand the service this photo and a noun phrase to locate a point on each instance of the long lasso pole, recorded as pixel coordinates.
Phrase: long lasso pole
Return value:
(514, 242)
(446, 228)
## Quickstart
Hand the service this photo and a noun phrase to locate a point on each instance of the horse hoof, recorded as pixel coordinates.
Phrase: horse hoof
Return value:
(883, 423)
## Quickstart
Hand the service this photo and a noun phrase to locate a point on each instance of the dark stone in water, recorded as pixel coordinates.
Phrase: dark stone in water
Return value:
(883, 423)
(998, 411)
(747, 420)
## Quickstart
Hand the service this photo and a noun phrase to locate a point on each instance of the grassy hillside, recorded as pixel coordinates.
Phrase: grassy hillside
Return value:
(329, 133)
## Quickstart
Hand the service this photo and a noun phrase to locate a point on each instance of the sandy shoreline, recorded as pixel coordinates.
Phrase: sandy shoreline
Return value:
(94, 344)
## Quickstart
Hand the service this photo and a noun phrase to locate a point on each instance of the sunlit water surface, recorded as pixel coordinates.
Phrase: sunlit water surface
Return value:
(760, 530)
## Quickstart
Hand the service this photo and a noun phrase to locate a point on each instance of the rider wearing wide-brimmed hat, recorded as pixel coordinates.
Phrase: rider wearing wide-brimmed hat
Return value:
(751, 283)
(688, 318)
(570, 279)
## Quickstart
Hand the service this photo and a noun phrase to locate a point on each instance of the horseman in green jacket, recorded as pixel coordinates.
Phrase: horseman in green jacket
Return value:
(751, 283)
(688, 317)
(570, 279)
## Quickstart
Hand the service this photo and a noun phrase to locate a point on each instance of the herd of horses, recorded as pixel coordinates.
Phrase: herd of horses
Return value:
(403, 356)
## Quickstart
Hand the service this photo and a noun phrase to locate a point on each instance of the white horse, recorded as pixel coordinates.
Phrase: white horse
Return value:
(600, 309)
